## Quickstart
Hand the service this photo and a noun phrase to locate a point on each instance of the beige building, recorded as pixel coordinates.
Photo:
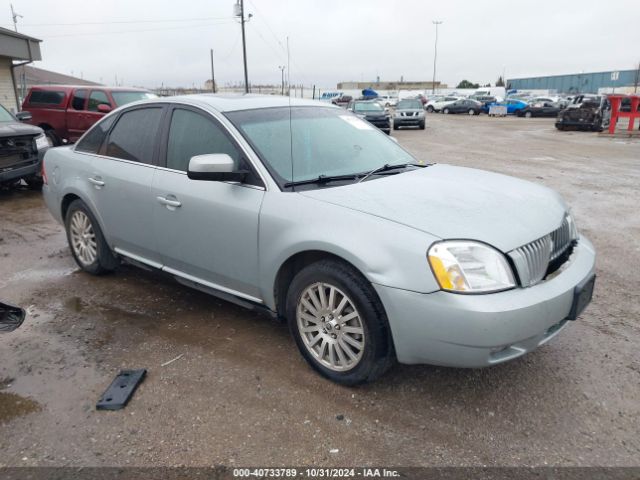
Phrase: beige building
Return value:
(403, 85)
(15, 50)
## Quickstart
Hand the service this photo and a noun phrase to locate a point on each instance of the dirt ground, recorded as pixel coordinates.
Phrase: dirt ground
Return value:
(242, 395)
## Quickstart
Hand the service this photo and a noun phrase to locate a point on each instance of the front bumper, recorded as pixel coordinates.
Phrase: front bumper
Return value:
(29, 168)
(382, 123)
(408, 121)
(448, 329)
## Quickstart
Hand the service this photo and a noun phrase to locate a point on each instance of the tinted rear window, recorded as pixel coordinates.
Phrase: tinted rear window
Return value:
(93, 140)
(46, 97)
(135, 135)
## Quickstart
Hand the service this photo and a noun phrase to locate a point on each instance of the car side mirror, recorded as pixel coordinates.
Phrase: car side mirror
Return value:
(104, 108)
(10, 317)
(215, 167)
(24, 116)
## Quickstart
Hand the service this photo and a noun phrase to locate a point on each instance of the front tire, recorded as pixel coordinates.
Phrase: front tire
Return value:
(338, 323)
(429, 109)
(445, 111)
(528, 114)
(86, 241)
(421, 125)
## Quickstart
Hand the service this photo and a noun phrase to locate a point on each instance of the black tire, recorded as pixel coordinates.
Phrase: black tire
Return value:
(471, 111)
(421, 125)
(105, 261)
(429, 109)
(34, 183)
(528, 114)
(396, 127)
(445, 111)
(378, 354)
(53, 137)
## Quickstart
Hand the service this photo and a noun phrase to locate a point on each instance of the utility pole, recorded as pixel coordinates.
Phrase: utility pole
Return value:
(239, 12)
(282, 67)
(435, 56)
(213, 77)
(15, 16)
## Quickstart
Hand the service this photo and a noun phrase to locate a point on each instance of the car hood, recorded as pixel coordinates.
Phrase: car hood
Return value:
(456, 203)
(13, 129)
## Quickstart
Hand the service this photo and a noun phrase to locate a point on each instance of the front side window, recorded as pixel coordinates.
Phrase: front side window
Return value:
(94, 139)
(303, 143)
(192, 134)
(79, 97)
(135, 135)
(98, 97)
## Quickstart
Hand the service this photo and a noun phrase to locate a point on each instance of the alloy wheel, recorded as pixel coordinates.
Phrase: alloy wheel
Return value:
(330, 327)
(83, 238)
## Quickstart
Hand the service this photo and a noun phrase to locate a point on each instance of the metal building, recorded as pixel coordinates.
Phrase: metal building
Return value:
(579, 82)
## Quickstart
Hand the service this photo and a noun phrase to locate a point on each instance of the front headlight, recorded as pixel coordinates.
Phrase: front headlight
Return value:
(470, 267)
(573, 229)
(42, 142)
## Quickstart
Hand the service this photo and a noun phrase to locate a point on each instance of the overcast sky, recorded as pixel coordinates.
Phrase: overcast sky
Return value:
(153, 42)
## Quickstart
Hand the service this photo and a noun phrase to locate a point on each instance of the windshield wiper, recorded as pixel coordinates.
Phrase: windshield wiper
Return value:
(387, 167)
(320, 179)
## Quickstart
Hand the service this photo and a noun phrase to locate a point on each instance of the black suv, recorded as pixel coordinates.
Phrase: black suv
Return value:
(372, 112)
(21, 149)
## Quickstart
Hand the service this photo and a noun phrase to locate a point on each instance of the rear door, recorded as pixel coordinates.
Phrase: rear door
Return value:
(121, 179)
(206, 231)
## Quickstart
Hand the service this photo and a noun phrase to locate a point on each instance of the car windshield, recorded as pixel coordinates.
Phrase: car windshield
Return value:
(409, 105)
(325, 141)
(5, 116)
(367, 107)
(122, 98)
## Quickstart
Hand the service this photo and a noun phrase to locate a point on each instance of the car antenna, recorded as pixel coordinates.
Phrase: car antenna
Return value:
(290, 120)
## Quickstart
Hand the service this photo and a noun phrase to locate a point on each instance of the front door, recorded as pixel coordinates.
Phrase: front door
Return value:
(122, 181)
(206, 231)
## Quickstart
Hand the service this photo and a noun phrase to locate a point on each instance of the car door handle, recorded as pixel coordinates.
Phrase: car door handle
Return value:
(168, 202)
(96, 181)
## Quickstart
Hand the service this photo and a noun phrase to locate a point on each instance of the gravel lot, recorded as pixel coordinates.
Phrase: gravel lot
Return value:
(242, 395)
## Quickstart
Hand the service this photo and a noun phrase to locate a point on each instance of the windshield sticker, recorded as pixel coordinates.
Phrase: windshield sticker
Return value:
(356, 122)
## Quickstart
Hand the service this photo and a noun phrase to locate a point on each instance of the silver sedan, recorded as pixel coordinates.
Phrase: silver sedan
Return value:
(310, 214)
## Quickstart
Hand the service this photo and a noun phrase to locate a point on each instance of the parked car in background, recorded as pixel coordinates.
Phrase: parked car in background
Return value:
(65, 112)
(21, 149)
(513, 105)
(586, 112)
(388, 100)
(435, 105)
(342, 100)
(470, 107)
(539, 109)
(483, 99)
(372, 112)
(409, 113)
(371, 256)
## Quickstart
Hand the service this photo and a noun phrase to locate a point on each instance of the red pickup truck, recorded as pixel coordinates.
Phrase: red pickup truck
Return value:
(65, 112)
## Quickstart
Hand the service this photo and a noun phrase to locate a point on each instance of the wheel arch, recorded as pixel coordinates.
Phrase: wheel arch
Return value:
(296, 262)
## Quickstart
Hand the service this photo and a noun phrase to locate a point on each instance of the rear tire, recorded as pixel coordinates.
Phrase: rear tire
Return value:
(471, 112)
(86, 241)
(54, 139)
(429, 109)
(528, 114)
(348, 352)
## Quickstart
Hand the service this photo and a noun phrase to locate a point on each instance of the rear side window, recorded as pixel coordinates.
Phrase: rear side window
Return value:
(46, 97)
(77, 102)
(193, 134)
(135, 134)
(93, 140)
(97, 97)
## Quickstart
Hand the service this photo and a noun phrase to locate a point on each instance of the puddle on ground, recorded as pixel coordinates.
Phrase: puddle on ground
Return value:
(13, 406)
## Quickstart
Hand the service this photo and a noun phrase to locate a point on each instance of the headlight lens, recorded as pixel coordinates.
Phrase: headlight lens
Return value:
(470, 267)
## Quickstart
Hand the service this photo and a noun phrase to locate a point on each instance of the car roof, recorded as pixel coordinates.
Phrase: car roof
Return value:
(235, 102)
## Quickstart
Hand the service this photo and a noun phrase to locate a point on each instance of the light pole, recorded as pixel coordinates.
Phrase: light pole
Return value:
(239, 12)
(435, 56)
(282, 67)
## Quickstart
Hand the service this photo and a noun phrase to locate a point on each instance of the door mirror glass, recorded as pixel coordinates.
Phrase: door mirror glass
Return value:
(104, 108)
(24, 116)
(218, 167)
(10, 317)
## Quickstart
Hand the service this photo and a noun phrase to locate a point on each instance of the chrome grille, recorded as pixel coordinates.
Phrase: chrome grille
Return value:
(562, 238)
(532, 260)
